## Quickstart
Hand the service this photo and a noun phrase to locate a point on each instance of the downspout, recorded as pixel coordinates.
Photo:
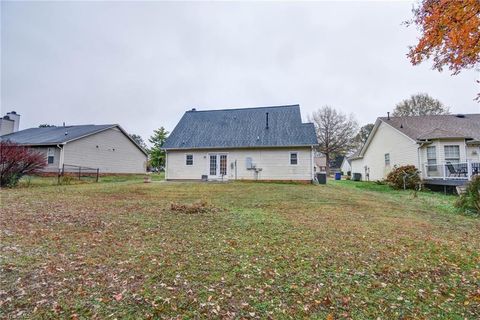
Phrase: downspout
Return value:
(166, 164)
(421, 144)
(62, 156)
(311, 163)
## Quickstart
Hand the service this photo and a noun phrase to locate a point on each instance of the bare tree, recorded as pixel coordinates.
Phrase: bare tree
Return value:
(335, 131)
(419, 104)
(362, 136)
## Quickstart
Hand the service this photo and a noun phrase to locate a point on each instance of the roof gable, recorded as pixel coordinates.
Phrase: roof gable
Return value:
(59, 135)
(236, 128)
(437, 126)
(421, 128)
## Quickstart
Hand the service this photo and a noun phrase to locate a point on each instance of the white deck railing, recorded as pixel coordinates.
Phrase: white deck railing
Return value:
(451, 171)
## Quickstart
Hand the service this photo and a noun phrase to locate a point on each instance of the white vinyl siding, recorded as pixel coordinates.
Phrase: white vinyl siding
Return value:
(473, 153)
(110, 151)
(54, 152)
(273, 162)
(386, 140)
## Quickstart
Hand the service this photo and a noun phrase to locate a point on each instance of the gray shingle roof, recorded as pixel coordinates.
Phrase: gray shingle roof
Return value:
(237, 128)
(437, 126)
(53, 135)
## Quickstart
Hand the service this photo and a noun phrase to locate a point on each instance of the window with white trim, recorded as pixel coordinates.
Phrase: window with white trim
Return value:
(293, 158)
(189, 159)
(50, 155)
(432, 158)
(387, 159)
(452, 153)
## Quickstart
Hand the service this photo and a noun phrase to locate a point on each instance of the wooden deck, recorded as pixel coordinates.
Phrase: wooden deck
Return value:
(448, 182)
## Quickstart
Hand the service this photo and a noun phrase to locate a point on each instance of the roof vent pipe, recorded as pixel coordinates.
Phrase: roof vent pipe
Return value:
(388, 115)
(266, 127)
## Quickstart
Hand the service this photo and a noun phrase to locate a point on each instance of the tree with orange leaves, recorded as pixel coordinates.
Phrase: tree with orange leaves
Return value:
(450, 34)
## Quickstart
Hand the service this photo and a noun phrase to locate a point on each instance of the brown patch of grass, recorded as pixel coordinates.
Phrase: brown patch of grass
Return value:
(194, 208)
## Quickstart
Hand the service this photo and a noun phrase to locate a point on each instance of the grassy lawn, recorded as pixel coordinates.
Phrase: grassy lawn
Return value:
(344, 250)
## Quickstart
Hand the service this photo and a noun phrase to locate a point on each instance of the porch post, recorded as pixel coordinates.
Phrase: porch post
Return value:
(469, 170)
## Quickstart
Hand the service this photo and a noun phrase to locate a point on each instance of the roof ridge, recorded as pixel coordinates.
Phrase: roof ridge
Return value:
(248, 108)
(432, 115)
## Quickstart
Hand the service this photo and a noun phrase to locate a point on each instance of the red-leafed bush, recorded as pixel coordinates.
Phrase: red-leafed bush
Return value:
(17, 161)
(404, 177)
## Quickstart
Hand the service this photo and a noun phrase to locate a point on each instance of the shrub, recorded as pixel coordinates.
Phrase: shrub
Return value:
(470, 200)
(17, 161)
(65, 180)
(404, 177)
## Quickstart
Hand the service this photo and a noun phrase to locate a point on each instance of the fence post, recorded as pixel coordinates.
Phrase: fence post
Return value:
(97, 174)
(58, 175)
(79, 172)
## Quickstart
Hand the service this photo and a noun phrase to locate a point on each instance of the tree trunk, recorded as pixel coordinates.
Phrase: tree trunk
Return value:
(327, 165)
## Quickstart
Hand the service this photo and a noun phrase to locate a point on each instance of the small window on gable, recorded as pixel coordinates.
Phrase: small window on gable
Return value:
(387, 159)
(293, 158)
(189, 160)
(50, 155)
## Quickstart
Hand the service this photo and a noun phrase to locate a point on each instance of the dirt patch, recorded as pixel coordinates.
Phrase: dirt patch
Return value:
(194, 208)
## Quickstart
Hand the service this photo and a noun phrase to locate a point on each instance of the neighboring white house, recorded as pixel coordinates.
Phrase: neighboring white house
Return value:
(265, 143)
(346, 166)
(105, 147)
(445, 148)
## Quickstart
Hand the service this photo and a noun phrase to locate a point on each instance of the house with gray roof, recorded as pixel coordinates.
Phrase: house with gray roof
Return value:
(263, 143)
(445, 148)
(105, 147)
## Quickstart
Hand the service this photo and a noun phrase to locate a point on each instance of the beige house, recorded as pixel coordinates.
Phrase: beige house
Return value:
(107, 148)
(265, 143)
(445, 148)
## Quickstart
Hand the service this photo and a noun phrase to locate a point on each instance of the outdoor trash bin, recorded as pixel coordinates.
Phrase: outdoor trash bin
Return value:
(338, 176)
(322, 177)
(357, 177)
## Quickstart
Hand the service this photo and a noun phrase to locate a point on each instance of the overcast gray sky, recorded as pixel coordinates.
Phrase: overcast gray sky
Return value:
(142, 64)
